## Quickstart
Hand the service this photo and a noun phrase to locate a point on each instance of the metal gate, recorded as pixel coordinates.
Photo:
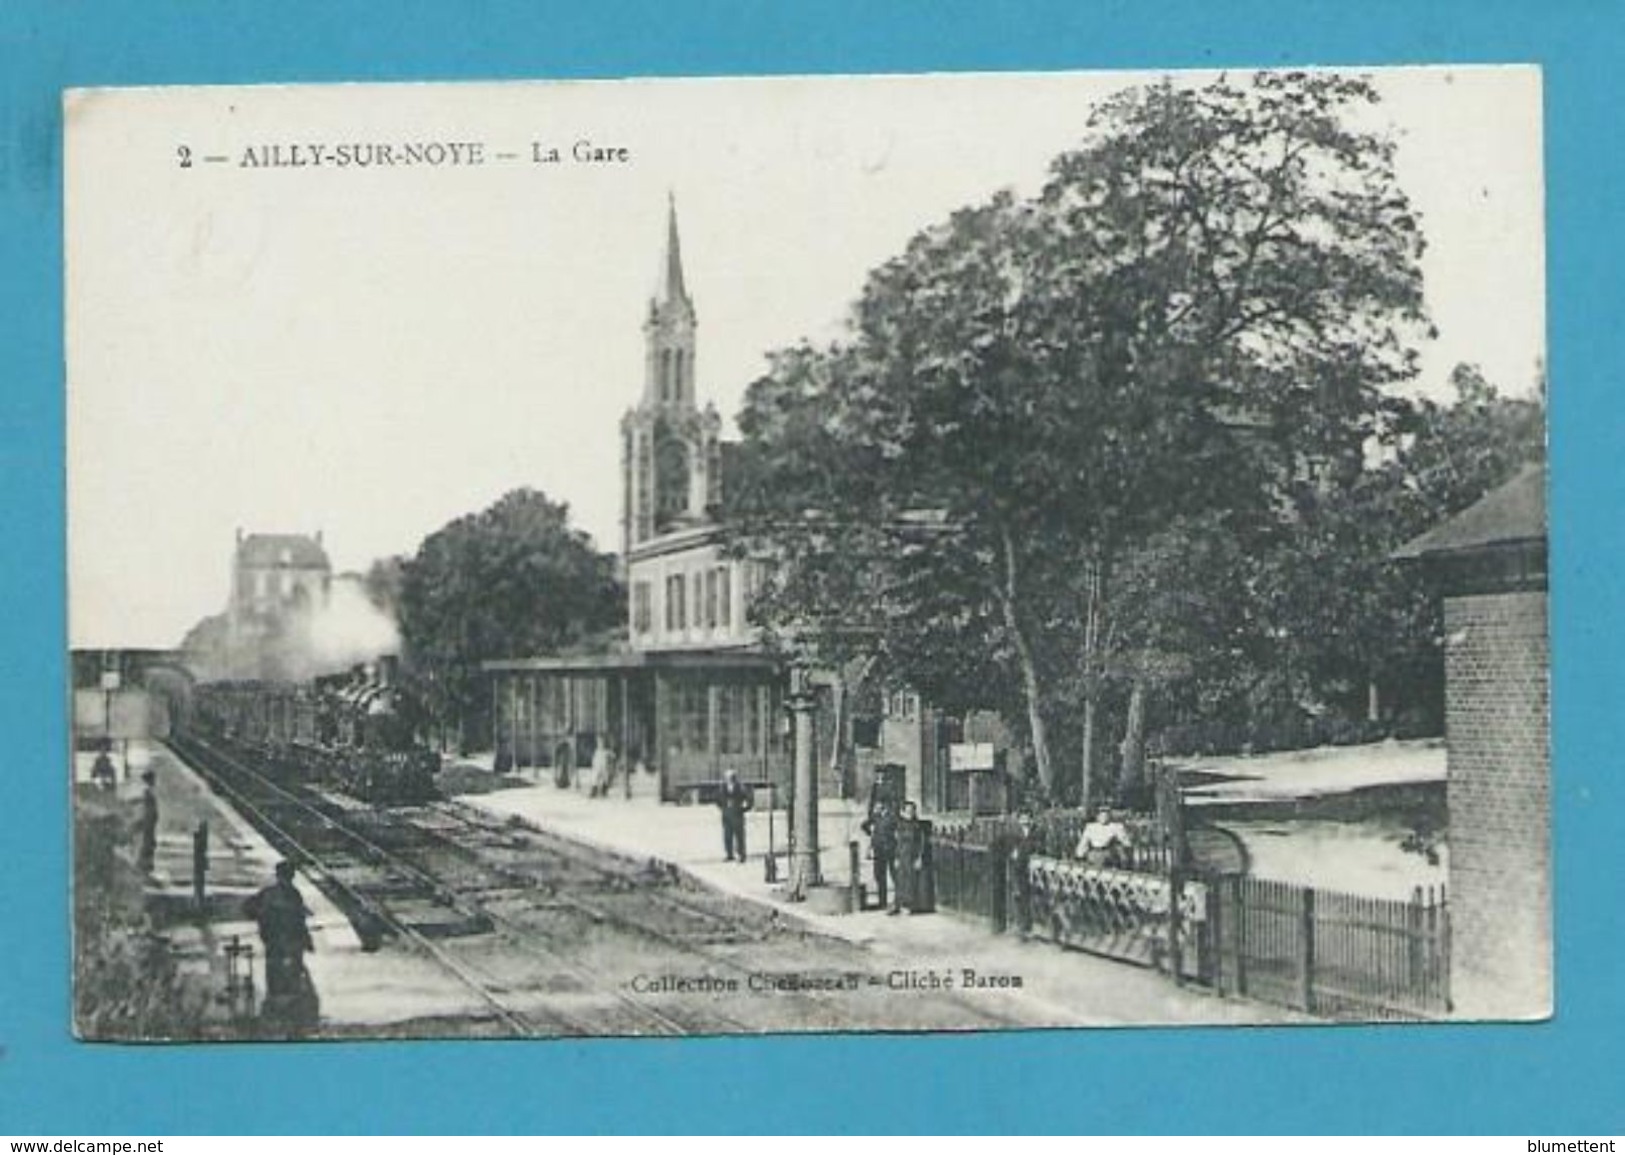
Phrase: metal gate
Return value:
(1122, 914)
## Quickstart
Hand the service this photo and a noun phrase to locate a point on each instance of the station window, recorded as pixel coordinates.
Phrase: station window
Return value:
(642, 617)
(552, 705)
(692, 705)
(724, 599)
(733, 702)
(711, 599)
(676, 603)
(753, 719)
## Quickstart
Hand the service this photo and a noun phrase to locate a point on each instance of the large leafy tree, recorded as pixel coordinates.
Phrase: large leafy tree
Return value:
(1217, 283)
(382, 584)
(1256, 263)
(512, 580)
(1357, 629)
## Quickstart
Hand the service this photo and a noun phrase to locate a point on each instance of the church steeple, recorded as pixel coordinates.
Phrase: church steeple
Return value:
(671, 289)
(671, 446)
(669, 331)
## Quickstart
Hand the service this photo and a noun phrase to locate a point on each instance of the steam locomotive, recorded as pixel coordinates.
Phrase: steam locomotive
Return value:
(353, 732)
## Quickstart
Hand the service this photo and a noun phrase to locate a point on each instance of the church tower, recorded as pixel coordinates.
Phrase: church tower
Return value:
(670, 472)
(668, 333)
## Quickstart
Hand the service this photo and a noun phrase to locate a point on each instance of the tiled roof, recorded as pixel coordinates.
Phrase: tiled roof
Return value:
(1514, 513)
(287, 549)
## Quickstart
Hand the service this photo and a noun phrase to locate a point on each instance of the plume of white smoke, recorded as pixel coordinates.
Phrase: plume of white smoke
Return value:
(348, 629)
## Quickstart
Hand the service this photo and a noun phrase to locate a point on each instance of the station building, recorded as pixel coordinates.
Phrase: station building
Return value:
(692, 693)
(1489, 564)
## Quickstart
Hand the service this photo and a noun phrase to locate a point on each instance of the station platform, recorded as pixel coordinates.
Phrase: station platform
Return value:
(356, 989)
(397, 992)
(1059, 987)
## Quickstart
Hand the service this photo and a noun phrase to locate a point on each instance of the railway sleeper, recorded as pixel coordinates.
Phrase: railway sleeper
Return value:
(450, 924)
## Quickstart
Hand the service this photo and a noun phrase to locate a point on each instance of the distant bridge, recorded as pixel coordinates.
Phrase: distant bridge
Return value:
(124, 694)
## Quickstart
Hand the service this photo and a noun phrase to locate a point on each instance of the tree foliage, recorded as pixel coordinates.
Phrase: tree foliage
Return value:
(1041, 397)
(382, 584)
(1348, 621)
(514, 580)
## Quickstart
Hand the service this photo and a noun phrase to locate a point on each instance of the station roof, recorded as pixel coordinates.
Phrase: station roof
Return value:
(626, 660)
(1514, 514)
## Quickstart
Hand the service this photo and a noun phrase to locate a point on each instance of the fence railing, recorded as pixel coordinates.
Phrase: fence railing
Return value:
(972, 876)
(1054, 834)
(1327, 953)
(1339, 955)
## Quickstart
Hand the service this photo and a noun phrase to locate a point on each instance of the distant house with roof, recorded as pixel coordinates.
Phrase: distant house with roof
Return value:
(275, 577)
(1489, 563)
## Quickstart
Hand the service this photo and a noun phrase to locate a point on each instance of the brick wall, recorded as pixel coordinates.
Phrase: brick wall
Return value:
(1496, 686)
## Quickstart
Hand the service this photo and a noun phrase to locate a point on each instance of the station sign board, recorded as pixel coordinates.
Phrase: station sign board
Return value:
(970, 756)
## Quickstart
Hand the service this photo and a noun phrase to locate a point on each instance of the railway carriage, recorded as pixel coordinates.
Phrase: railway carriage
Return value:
(351, 732)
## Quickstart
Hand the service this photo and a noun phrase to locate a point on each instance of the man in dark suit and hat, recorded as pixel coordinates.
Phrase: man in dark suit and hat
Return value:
(147, 825)
(279, 910)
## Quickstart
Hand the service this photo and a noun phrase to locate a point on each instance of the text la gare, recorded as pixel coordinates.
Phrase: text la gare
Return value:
(581, 152)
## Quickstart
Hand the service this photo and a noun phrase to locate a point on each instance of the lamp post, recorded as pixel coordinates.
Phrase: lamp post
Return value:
(804, 871)
(110, 685)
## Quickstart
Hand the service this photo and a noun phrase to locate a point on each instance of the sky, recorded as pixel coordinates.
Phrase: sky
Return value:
(372, 352)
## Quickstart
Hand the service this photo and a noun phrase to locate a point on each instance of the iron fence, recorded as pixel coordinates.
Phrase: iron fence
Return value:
(972, 874)
(1331, 954)
(1339, 955)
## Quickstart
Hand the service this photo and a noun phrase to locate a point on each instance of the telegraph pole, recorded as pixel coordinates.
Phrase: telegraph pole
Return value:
(804, 871)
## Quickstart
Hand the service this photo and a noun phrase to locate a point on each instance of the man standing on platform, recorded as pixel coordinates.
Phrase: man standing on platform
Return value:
(911, 863)
(148, 823)
(735, 801)
(280, 912)
(881, 827)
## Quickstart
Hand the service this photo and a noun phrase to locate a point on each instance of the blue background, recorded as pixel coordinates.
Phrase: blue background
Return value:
(1543, 1079)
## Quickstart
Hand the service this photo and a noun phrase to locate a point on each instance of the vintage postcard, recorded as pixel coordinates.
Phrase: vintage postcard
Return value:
(861, 553)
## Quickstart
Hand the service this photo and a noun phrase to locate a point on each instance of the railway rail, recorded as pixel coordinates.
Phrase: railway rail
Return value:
(554, 937)
(387, 889)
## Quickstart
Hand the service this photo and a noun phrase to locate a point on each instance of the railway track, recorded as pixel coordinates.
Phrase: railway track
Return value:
(696, 924)
(374, 869)
(555, 937)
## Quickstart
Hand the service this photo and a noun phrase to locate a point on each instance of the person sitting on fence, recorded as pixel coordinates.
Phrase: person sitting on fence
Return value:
(1105, 841)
